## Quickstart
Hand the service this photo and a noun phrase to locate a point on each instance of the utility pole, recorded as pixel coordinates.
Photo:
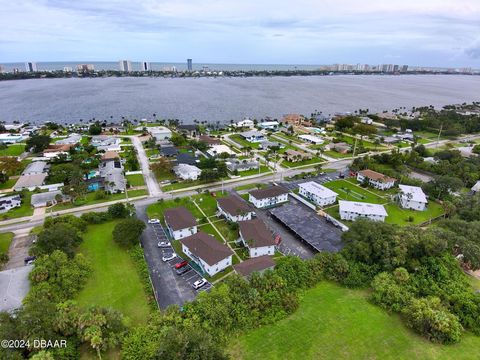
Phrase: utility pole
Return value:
(355, 147)
(439, 134)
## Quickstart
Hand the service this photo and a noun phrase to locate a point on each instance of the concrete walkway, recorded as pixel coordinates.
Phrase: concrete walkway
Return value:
(150, 180)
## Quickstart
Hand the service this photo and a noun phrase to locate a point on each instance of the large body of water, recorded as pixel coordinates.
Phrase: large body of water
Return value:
(223, 99)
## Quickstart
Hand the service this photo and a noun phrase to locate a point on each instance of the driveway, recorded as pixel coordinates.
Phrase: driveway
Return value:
(168, 286)
(150, 180)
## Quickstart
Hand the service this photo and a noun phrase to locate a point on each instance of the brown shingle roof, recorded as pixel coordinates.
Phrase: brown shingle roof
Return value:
(245, 268)
(110, 155)
(233, 205)
(209, 140)
(55, 148)
(206, 247)
(179, 218)
(255, 233)
(376, 176)
(269, 192)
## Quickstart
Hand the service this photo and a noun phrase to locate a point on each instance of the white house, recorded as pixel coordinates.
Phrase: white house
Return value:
(207, 252)
(160, 132)
(366, 120)
(8, 138)
(48, 198)
(106, 143)
(187, 172)
(253, 136)
(36, 167)
(255, 236)
(269, 125)
(318, 194)
(252, 265)
(476, 187)
(311, 139)
(54, 151)
(412, 197)
(9, 202)
(72, 139)
(351, 210)
(215, 150)
(180, 222)
(376, 179)
(269, 196)
(234, 209)
(246, 123)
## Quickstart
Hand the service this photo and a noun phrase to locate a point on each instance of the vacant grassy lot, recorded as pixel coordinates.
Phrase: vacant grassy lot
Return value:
(312, 161)
(263, 169)
(135, 180)
(5, 240)
(348, 191)
(400, 216)
(13, 150)
(114, 281)
(250, 187)
(337, 323)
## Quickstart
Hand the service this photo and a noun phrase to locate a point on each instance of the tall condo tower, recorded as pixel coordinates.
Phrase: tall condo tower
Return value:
(31, 67)
(189, 65)
(146, 66)
(125, 65)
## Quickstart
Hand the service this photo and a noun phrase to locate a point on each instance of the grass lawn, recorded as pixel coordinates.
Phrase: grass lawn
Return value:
(135, 193)
(241, 141)
(13, 150)
(263, 169)
(151, 152)
(24, 210)
(399, 216)
(250, 186)
(288, 137)
(5, 240)
(336, 155)
(135, 180)
(207, 228)
(89, 199)
(312, 161)
(356, 193)
(114, 281)
(8, 184)
(336, 323)
(156, 210)
(227, 232)
(208, 202)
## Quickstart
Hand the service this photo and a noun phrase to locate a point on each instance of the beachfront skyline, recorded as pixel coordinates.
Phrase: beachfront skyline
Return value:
(427, 33)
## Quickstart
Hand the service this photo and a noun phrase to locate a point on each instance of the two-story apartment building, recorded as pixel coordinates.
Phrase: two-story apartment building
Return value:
(255, 236)
(352, 210)
(412, 197)
(180, 222)
(270, 196)
(234, 209)
(318, 194)
(376, 179)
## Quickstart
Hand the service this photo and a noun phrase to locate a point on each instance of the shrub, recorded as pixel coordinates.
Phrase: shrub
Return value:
(127, 232)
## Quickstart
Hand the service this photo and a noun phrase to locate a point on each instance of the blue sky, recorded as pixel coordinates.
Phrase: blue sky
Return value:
(415, 32)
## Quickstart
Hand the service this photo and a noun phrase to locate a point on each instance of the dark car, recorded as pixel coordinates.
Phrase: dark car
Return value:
(183, 270)
(29, 259)
(181, 264)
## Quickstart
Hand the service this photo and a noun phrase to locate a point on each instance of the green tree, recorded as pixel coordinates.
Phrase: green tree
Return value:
(61, 236)
(118, 211)
(127, 232)
(37, 143)
(95, 128)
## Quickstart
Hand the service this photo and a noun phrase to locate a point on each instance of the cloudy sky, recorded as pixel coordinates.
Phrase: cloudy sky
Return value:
(415, 32)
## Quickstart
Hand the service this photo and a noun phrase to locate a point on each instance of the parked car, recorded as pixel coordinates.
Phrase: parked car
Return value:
(183, 270)
(181, 264)
(169, 257)
(199, 283)
(153, 221)
(162, 244)
(29, 260)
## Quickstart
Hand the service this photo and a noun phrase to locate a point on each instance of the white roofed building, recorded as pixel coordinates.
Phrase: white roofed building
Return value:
(318, 194)
(311, 139)
(412, 197)
(352, 210)
(187, 172)
(219, 149)
(476, 187)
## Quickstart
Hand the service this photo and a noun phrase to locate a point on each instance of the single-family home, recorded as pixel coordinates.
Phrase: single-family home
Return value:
(30, 182)
(168, 151)
(180, 222)
(160, 132)
(188, 129)
(8, 138)
(241, 165)
(295, 156)
(187, 158)
(318, 194)
(72, 139)
(234, 209)
(375, 179)
(412, 197)
(476, 187)
(295, 119)
(53, 151)
(311, 139)
(9, 202)
(352, 210)
(246, 123)
(270, 196)
(187, 172)
(48, 198)
(207, 252)
(36, 167)
(366, 120)
(340, 147)
(215, 150)
(269, 125)
(209, 140)
(256, 237)
(111, 170)
(267, 144)
(257, 264)
(106, 143)
(253, 136)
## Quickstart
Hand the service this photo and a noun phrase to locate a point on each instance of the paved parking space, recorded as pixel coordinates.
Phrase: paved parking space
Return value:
(292, 185)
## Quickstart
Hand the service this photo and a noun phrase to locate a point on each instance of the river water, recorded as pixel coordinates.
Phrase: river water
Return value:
(223, 99)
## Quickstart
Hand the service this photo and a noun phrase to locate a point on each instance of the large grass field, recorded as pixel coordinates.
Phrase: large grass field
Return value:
(400, 216)
(336, 323)
(5, 240)
(351, 192)
(114, 281)
(13, 150)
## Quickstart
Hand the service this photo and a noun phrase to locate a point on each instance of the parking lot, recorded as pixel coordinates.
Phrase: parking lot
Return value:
(293, 184)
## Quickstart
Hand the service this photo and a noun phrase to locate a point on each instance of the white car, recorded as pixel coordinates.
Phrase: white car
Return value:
(169, 257)
(163, 244)
(153, 221)
(199, 283)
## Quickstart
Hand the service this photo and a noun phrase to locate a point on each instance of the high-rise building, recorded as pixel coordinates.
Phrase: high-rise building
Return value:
(189, 65)
(67, 69)
(125, 65)
(1, 69)
(31, 67)
(404, 68)
(146, 66)
(85, 68)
